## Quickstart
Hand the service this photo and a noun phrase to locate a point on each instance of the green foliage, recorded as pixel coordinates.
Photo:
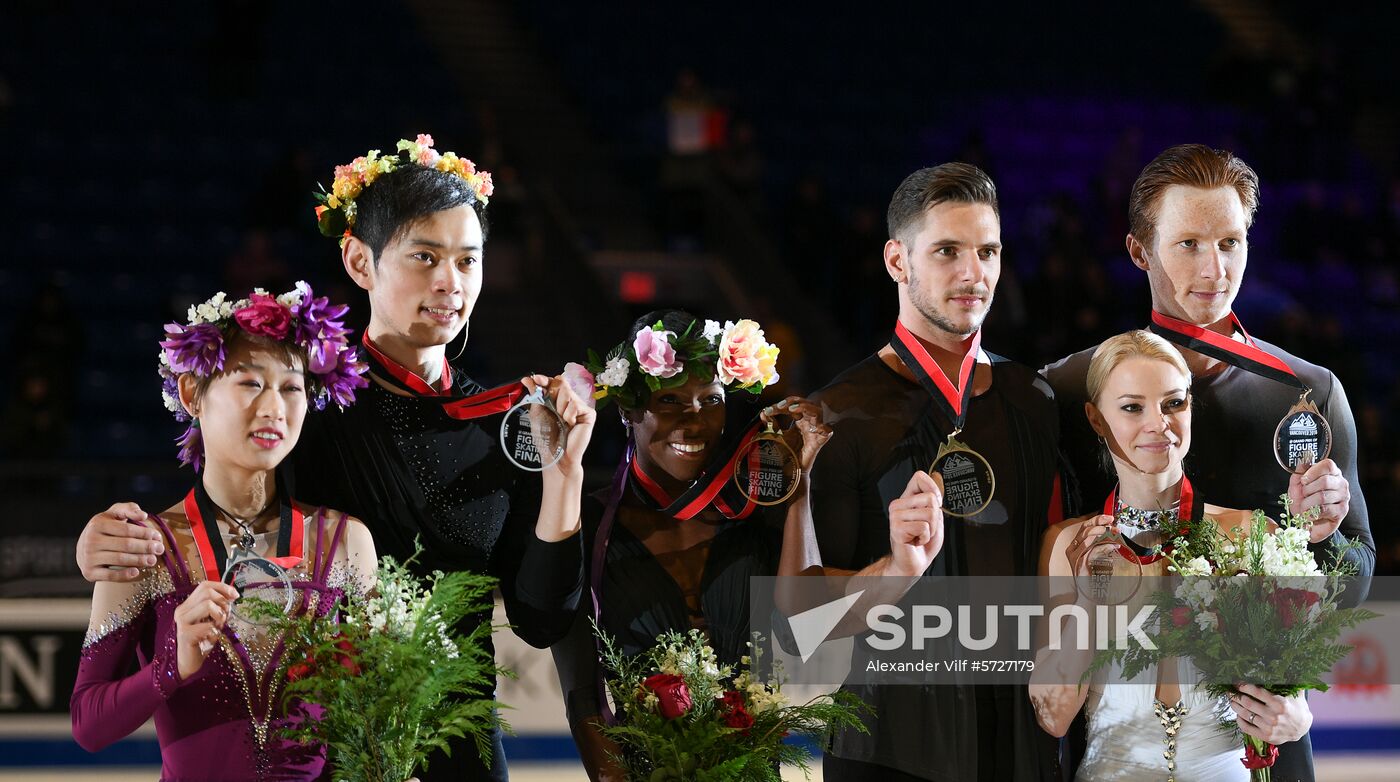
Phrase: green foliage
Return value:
(699, 744)
(394, 677)
(332, 223)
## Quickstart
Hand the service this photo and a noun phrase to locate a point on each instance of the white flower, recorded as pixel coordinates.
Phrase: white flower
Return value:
(615, 372)
(294, 297)
(171, 403)
(713, 331)
(1285, 553)
(1195, 567)
(1206, 620)
(762, 699)
(1196, 592)
(215, 309)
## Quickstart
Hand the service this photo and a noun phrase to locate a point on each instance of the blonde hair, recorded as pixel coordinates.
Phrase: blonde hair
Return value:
(1132, 344)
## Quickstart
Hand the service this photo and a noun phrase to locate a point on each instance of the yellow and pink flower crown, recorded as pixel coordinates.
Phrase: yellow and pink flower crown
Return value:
(737, 354)
(335, 215)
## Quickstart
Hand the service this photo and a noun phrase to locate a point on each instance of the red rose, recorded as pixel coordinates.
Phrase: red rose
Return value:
(671, 693)
(1181, 616)
(734, 711)
(299, 671)
(347, 660)
(264, 317)
(1292, 604)
(1254, 759)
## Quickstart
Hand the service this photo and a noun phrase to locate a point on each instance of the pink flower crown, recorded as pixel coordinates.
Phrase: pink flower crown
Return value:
(737, 354)
(313, 324)
(335, 215)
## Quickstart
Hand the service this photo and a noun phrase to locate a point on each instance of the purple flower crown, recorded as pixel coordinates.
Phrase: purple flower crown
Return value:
(333, 367)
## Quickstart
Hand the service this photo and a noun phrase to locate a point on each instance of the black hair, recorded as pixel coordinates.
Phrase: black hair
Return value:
(404, 196)
(671, 320)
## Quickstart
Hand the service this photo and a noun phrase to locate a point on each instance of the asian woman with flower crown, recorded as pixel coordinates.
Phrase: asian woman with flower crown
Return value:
(672, 543)
(419, 457)
(1141, 409)
(244, 373)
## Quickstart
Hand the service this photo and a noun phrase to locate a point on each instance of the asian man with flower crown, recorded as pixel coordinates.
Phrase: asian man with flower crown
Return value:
(407, 459)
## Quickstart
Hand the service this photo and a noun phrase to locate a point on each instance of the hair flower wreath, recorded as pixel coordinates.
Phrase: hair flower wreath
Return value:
(313, 324)
(737, 354)
(335, 215)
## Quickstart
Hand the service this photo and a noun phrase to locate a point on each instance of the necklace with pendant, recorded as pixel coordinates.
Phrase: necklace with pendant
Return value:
(244, 538)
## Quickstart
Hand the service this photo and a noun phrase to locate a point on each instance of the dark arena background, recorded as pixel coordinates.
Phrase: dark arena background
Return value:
(732, 158)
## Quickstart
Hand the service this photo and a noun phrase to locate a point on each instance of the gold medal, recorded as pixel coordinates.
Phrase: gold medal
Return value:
(1303, 437)
(968, 480)
(766, 470)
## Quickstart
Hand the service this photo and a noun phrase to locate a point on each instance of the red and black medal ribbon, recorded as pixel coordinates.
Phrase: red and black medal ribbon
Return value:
(400, 376)
(715, 486)
(462, 408)
(1244, 355)
(497, 400)
(952, 400)
(1189, 510)
(204, 526)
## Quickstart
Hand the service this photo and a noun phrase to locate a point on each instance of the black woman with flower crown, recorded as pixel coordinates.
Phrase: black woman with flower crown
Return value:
(672, 543)
(243, 374)
(420, 458)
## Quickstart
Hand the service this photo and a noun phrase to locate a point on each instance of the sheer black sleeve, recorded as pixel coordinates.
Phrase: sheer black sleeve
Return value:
(540, 581)
(1357, 524)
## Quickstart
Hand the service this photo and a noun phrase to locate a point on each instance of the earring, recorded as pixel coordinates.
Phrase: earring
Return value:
(466, 327)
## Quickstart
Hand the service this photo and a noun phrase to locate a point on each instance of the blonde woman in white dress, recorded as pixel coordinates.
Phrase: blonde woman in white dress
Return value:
(1159, 725)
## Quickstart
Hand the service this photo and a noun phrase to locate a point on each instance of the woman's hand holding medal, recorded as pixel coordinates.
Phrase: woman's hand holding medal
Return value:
(806, 420)
(199, 621)
(767, 468)
(1089, 535)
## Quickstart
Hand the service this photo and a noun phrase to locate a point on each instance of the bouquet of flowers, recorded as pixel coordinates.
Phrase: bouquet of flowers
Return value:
(1250, 606)
(393, 678)
(682, 716)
